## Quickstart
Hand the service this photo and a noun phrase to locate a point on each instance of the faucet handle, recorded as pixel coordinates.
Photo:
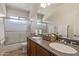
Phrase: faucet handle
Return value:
(76, 35)
(61, 40)
(72, 42)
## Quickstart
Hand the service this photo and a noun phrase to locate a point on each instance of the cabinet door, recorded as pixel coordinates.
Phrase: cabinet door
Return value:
(42, 52)
(28, 47)
(33, 49)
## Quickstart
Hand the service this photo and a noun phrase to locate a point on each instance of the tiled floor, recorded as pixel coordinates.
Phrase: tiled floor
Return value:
(15, 53)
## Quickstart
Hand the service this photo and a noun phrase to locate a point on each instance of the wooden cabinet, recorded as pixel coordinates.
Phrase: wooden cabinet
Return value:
(34, 49)
(42, 52)
(31, 48)
(28, 46)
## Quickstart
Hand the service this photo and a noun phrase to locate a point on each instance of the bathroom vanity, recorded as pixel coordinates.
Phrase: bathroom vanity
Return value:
(40, 47)
(34, 49)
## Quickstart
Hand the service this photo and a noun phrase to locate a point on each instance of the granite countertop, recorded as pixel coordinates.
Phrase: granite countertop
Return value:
(45, 44)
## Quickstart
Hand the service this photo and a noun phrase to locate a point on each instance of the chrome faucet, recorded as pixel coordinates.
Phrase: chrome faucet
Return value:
(71, 43)
(63, 41)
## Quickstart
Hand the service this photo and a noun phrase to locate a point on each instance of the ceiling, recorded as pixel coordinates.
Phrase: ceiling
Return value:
(35, 8)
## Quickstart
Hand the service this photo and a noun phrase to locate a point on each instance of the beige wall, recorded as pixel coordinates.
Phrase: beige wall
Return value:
(66, 15)
(16, 12)
(2, 10)
(2, 14)
(2, 36)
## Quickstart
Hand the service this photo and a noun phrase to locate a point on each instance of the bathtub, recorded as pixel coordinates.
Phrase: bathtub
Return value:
(7, 48)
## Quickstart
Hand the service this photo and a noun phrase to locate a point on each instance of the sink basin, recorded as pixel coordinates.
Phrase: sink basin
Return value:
(63, 48)
(37, 37)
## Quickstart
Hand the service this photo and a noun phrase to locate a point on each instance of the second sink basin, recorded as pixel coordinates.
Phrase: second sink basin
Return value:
(63, 48)
(37, 37)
